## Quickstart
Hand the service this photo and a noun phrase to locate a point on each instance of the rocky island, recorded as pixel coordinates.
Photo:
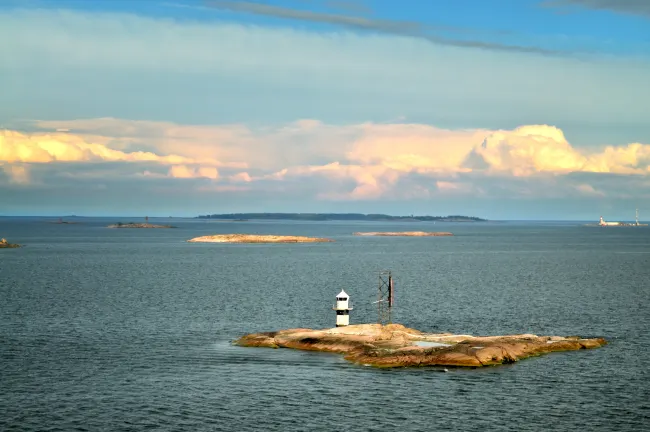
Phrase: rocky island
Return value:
(395, 345)
(4, 244)
(405, 234)
(250, 238)
(138, 225)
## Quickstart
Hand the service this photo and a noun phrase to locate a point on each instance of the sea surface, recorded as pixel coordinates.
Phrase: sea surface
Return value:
(131, 329)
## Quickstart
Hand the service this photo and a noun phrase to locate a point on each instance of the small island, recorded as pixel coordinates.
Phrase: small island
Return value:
(138, 225)
(405, 234)
(394, 345)
(250, 238)
(4, 244)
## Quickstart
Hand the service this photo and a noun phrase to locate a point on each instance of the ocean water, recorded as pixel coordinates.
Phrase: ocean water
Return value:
(106, 329)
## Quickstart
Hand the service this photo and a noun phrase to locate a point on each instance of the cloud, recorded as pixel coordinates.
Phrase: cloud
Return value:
(214, 71)
(184, 171)
(394, 27)
(62, 147)
(544, 149)
(633, 7)
(17, 173)
(360, 161)
(589, 190)
(364, 162)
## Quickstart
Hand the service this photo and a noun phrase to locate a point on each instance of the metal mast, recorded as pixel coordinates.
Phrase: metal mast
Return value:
(385, 297)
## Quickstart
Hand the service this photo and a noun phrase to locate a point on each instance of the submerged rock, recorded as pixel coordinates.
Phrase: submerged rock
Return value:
(249, 238)
(394, 345)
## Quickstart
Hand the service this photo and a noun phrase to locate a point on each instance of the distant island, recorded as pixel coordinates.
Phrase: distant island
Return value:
(4, 244)
(250, 238)
(340, 217)
(138, 225)
(404, 234)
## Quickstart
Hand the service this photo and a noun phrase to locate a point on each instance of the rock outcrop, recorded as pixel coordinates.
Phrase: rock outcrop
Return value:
(4, 244)
(394, 345)
(405, 234)
(249, 238)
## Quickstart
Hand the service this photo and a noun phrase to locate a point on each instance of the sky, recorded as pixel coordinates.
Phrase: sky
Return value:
(502, 109)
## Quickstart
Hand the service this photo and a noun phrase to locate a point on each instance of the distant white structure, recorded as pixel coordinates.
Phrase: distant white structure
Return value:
(342, 308)
(603, 223)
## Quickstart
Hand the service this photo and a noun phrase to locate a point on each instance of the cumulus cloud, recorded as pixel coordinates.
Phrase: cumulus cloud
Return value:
(43, 148)
(366, 161)
(185, 171)
(18, 150)
(544, 149)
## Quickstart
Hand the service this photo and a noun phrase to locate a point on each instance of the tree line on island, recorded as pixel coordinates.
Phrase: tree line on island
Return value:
(339, 217)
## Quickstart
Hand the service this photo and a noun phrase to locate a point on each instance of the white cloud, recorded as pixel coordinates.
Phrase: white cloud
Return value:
(184, 171)
(357, 162)
(187, 71)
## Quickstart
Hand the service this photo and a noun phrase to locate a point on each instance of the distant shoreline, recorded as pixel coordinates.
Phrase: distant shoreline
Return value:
(340, 217)
(138, 225)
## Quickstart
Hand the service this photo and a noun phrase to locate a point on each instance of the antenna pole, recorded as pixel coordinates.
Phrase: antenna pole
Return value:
(385, 297)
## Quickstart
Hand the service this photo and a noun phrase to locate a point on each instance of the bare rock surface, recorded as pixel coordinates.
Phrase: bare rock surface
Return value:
(4, 244)
(249, 238)
(395, 345)
(405, 234)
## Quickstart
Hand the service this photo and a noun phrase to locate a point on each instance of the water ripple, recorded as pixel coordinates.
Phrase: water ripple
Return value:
(114, 330)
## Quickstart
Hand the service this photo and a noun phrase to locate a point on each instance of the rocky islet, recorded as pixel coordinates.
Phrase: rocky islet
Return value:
(395, 345)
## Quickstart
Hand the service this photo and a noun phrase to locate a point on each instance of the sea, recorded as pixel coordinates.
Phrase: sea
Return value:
(131, 329)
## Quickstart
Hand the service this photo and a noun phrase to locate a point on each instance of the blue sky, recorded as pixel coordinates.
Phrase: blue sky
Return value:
(502, 109)
(553, 25)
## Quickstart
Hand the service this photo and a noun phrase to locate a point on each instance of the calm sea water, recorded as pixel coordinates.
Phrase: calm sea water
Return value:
(104, 329)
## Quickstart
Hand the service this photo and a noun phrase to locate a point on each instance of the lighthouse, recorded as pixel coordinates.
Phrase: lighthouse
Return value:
(342, 308)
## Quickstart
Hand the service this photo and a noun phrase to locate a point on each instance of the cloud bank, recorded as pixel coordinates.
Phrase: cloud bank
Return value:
(185, 71)
(358, 162)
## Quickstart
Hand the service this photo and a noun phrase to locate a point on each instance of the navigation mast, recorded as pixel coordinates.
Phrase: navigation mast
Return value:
(386, 297)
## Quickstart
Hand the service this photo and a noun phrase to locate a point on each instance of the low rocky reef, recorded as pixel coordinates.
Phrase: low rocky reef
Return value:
(138, 225)
(250, 238)
(394, 345)
(4, 244)
(405, 234)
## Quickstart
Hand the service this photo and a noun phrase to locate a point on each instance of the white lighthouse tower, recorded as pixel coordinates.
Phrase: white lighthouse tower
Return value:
(342, 308)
